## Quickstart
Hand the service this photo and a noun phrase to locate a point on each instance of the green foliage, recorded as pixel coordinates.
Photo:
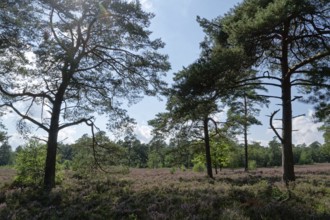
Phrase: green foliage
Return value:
(236, 157)
(136, 153)
(157, 152)
(259, 154)
(66, 152)
(305, 158)
(199, 162)
(179, 153)
(30, 165)
(220, 152)
(103, 154)
(183, 168)
(154, 160)
(199, 167)
(6, 154)
(275, 153)
(252, 165)
(173, 170)
(220, 147)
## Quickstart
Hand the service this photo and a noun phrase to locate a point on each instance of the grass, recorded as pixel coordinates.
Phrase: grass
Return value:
(175, 194)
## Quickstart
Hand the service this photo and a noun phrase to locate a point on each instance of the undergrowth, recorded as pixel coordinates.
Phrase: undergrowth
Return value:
(161, 194)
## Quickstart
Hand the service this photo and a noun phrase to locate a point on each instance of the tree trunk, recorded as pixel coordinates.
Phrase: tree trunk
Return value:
(49, 178)
(50, 166)
(207, 149)
(245, 134)
(287, 153)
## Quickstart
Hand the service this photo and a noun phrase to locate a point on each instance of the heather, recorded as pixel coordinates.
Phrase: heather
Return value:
(173, 194)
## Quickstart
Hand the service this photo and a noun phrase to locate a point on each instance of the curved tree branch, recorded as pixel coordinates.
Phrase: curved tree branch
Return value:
(83, 120)
(272, 126)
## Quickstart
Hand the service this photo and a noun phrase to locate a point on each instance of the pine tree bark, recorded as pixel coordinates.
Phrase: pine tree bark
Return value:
(50, 166)
(287, 153)
(207, 148)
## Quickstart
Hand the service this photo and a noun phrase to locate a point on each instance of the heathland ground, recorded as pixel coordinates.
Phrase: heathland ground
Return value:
(172, 194)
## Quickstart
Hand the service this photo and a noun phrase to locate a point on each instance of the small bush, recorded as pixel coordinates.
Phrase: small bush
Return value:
(183, 168)
(198, 167)
(30, 165)
(252, 165)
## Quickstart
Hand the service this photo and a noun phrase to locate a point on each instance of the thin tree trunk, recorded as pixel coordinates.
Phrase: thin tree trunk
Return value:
(207, 149)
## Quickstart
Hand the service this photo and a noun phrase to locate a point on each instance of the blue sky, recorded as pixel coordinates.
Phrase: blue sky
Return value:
(175, 23)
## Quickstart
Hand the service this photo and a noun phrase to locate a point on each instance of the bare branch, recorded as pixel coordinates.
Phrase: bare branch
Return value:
(295, 98)
(29, 94)
(307, 61)
(270, 96)
(24, 116)
(272, 126)
(297, 116)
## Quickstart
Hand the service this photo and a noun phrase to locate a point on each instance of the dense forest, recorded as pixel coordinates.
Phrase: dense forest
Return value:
(64, 63)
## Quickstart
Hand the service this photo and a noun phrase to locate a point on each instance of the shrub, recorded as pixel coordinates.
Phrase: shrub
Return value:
(30, 164)
(183, 168)
(198, 167)
(252, 165)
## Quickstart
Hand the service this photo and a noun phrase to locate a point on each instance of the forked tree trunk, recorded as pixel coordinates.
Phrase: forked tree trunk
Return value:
(207, 149)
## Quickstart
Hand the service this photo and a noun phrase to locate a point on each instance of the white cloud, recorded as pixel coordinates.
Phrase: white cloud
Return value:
(305, 130)
(146, 4)
(67, 135)
(143, 133)
(240, 139)
(16, 140)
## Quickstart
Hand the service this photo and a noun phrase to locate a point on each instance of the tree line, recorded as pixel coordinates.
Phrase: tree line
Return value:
(129, 152)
